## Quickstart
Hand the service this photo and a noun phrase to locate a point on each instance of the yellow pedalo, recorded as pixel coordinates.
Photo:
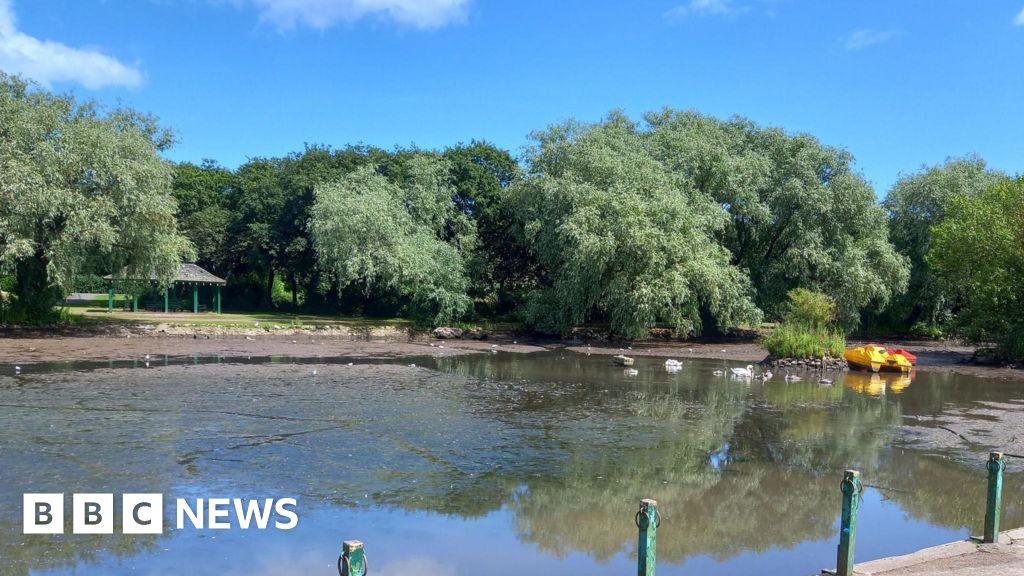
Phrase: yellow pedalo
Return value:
(876, 359)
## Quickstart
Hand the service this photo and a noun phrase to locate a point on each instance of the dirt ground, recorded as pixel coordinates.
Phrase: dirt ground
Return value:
(26, 346)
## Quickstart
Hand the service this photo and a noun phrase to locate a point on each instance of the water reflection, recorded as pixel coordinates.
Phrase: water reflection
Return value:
(546, 454)
(878, 384)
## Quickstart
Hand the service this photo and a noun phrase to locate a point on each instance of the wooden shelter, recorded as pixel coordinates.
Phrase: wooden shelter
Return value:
(188, 274)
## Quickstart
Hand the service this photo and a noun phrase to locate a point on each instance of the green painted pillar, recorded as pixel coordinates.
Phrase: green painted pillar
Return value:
(996, 464)
(352, 561)
(852, 490)
(647, 520)
(218, 298)
(110, 298)
(167, 299)
(135, 302)
(195, 298)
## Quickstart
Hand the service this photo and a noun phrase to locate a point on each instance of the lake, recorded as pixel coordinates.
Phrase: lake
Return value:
(497, 464)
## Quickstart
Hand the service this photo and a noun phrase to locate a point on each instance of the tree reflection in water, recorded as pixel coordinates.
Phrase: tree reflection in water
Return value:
(564, 442)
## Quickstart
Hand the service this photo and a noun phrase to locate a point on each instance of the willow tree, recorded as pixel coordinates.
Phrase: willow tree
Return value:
(80, 186)
(799, 216)
(619, 237)
(407, 238)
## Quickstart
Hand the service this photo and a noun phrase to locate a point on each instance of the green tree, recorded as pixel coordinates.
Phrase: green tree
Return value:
(80, 185)
(799, 215)
(257, 205)
(481, 174)
(203, 194)
(916, 203)
(978, 251)
(407, 238)
(620, 237)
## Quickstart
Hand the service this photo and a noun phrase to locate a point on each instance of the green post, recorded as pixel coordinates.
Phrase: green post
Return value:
(110, 298)
(167, 298)
(996, 464)
(352, 561)
(195, 298)
(218, 298)
(135, 302)
(852, 489)
(647, 520)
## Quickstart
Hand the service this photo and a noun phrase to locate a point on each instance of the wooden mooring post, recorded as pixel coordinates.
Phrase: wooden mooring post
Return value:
(647, 521)
(852, 490)
(352, 561)
(996, 464)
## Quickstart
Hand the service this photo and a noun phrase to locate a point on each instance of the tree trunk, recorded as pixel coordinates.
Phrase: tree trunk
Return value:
(36, 297)
(268, 294)
(295, 293)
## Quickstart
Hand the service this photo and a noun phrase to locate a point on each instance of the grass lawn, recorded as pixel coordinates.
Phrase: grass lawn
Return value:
(95, 311)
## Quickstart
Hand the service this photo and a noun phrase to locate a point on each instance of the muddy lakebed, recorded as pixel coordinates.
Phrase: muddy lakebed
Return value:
(500, 463)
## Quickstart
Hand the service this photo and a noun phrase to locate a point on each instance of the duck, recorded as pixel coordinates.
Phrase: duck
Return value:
(747, 372)
(630, 371)
(792, 378)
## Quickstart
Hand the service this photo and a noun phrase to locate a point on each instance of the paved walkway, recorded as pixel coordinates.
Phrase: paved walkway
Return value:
(956, 559)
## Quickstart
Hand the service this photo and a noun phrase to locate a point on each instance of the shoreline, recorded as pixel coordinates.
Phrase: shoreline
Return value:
(126, 342)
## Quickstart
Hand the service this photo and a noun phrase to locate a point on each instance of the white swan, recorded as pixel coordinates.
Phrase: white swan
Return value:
(747, 372)
(673, 364)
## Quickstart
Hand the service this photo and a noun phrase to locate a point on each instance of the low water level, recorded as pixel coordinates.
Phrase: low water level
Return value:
(496, 464)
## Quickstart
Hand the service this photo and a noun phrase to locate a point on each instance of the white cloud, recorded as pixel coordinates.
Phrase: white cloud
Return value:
(46, 61)
(707, 8)
(321, 14)
(860, 39)
(1019, 20)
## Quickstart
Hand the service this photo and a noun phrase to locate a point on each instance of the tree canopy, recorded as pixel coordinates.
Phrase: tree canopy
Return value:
(798, 214)
(917, 203)
(978, 251)
(80, 185)
(406, 237)
(620, 237)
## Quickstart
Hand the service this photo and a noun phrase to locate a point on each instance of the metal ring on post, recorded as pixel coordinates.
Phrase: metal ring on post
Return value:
(344, 570)
(996, 464)
(643, 513)
(846, 487)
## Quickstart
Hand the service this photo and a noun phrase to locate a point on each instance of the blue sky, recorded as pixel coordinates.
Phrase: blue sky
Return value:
(899, 84)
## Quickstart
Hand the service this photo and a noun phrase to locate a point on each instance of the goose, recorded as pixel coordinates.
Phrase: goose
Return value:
(747, 372)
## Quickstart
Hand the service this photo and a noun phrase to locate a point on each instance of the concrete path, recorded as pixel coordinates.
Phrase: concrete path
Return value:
(956, 559)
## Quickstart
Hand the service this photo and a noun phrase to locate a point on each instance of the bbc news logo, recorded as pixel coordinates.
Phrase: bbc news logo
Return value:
(143, 513)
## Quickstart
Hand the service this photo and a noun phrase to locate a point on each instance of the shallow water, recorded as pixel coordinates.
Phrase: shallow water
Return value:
(497, 464)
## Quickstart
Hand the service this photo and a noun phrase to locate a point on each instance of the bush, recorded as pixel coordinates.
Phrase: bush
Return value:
(798, 341)
(811, 309)
(807, 331)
